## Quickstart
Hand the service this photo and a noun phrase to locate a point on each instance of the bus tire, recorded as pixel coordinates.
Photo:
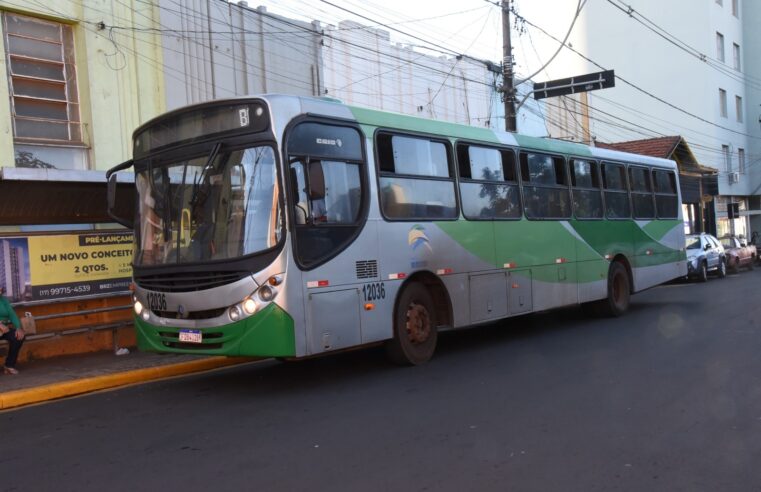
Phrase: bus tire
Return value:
(415, 324)
(617, 301)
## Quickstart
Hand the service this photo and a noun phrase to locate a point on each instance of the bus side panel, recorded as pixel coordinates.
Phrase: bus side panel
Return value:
(591, 269)
(549, 250)
(348, 282)
(663, 258)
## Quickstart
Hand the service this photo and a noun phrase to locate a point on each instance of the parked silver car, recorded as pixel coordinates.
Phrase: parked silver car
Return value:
(705, 254)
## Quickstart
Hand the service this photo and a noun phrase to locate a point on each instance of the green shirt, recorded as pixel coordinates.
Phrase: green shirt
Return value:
(7, 312)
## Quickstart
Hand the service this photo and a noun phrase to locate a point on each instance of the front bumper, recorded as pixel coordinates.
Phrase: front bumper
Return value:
(268, 333)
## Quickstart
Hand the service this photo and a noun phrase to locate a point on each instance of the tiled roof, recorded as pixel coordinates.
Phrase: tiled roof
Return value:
(655, 147)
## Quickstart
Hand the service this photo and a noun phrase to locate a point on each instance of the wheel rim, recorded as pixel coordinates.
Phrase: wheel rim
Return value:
(418, 323)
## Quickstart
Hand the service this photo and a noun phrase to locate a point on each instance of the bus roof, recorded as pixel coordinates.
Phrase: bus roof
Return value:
(331, 107)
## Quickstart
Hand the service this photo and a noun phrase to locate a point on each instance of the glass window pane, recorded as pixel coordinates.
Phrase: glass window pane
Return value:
(664, 182)
(666, 205)
(640, 179)
(490, 201)
(419, 157)
(41, 129)
(38, 88)
(34, 68)
(485, 163)
(543, 203)
(538, 169)
(587, 204)
(617, 205)
(36, 28)
(49, 157)
(614, 176)
(36, 108)
(644, 208)
(342, 192)
(405, 198)
(34, 48)
(583, 174)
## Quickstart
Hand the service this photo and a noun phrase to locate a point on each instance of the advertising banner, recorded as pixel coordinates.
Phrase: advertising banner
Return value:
(35, 268)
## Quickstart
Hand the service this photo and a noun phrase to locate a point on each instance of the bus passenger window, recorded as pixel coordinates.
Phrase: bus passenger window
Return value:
(616, 191)
(642, 193)
(488, 186)
(545, 186)
(585, 183)
(415, 178)
(666, 202)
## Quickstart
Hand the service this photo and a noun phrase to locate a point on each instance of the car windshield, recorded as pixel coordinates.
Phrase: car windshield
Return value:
(216, 206)
(727, 242)
(693, 242)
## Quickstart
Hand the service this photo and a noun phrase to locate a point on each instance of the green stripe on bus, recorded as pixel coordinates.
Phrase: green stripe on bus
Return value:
(412, 123)
(657, 229)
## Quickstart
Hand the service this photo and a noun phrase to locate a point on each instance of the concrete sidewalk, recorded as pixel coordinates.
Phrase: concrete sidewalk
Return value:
(60, 377)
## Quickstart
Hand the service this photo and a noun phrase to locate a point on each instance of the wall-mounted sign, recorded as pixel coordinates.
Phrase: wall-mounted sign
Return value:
(36, 268)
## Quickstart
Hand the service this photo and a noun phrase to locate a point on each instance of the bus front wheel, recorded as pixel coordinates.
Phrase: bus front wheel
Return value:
(415, 324)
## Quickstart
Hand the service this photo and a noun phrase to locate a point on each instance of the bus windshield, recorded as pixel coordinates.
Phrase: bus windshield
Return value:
(211, 207)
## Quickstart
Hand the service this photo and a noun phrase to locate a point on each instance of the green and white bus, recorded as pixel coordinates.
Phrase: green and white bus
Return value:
(291, 226)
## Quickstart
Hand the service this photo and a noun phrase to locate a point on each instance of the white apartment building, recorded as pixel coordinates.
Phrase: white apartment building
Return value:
(689, 68)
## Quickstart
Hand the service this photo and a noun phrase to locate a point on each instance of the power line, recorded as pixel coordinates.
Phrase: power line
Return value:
(625, 81)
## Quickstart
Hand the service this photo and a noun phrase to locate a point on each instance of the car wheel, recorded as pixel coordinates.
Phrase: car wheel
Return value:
(415, 325)
(752, 263)
(703, 272)
(722, 270)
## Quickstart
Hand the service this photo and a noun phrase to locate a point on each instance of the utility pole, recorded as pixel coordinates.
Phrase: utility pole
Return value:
(508, 89)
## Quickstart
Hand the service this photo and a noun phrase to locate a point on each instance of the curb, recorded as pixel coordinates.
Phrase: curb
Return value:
(18, 398)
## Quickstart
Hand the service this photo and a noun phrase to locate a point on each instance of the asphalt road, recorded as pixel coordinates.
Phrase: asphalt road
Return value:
(666, 398)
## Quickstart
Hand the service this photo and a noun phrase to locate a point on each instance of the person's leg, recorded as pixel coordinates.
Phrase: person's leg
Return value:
(14, 346)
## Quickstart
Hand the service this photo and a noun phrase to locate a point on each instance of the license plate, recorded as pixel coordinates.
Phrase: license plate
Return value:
(191, 336)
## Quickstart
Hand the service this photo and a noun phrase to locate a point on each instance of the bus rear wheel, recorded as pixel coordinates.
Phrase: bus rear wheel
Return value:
(415, 325)
(617, 301)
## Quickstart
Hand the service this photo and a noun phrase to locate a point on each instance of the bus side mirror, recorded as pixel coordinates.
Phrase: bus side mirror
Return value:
(115, 199)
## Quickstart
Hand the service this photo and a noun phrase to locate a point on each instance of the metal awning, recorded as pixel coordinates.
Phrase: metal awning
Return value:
(54, 196)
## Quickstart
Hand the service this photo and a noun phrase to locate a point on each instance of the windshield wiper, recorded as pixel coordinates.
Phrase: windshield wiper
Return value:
(199, 181)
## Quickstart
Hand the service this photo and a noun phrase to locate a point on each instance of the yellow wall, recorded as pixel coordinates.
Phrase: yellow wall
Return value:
(120, 83)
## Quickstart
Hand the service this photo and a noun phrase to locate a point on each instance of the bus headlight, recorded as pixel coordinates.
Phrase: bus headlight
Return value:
(234, 313)
(146, 315)
(138, 307)
(249, 306)
(266, 293)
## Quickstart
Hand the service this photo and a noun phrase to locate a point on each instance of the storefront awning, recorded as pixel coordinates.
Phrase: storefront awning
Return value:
(52, 196)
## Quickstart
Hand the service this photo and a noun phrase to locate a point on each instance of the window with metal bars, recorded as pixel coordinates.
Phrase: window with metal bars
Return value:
(43, 89)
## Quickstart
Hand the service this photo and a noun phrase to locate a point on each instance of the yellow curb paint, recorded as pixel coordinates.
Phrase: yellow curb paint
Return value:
(48, 392)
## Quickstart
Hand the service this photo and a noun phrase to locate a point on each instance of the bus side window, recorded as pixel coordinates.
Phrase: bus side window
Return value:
(488, 183)
(642, 192)
(585, 183)
(665, 194)
(545, 186)
(416, 179)
(616, 191)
